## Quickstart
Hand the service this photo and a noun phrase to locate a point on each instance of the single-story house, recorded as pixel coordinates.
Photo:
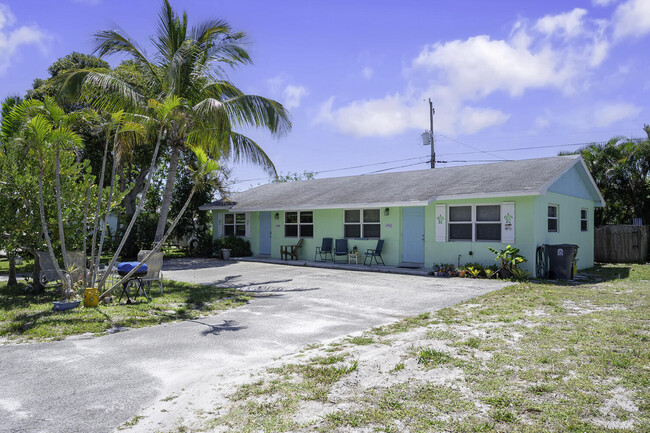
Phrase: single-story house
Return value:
(444, 215)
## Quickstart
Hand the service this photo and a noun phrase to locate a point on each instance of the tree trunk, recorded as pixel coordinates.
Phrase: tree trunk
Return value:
(138, 208)
(116, 158)
(12, 281)
(100, 188)
(36, 273)
(46, 232)
(167, 196)
(156, 246)
(57, 186)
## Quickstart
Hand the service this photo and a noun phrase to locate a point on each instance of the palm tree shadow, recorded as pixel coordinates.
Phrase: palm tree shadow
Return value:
(227, 325)
(258, 287)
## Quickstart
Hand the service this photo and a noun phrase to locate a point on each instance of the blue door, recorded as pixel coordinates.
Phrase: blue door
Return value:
(413, 234)
(265, 232)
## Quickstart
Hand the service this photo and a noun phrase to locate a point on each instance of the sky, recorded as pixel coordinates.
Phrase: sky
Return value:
(508, 79)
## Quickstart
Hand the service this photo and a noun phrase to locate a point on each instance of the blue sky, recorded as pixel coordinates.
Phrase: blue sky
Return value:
(503, 75)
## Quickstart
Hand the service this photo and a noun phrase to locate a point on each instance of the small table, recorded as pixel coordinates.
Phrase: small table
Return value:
(354, 257)
(135, 279)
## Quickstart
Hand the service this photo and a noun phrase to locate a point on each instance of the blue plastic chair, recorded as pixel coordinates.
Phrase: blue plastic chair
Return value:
(376, 253)
(324, 250)
(341, 249)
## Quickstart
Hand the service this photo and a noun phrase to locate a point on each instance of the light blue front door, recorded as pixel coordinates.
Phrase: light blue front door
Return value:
(413, 234)
(265, 232)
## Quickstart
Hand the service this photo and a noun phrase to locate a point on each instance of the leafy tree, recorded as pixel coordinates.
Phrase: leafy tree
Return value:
(292, 177)
(189, 65)
(31, 187)
(621, 169)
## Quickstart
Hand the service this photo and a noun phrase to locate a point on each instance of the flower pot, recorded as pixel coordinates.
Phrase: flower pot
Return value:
(461, 274)
(225, 253)
(65, 305)
(91, 297)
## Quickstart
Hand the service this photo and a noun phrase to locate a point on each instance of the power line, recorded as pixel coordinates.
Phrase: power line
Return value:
(529, 148)
(471, 147)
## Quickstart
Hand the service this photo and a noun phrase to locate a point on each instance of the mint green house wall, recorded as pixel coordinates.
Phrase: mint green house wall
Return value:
(471, 252)
(572, 192)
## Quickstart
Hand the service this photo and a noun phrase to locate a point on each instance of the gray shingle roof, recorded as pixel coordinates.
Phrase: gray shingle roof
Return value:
(414, 188)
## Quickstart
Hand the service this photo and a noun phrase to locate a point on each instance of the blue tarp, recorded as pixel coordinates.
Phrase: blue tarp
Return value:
(127, 267)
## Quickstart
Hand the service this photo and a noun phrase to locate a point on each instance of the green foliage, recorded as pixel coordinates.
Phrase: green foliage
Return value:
(519, 274)
(292, 177)
(239, 247)
(509, 258)
(621, 169)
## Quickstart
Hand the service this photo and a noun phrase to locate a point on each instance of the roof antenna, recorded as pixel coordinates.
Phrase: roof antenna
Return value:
(427, 136)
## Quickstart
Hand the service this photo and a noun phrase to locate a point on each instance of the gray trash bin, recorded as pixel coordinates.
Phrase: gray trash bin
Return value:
(561, 261)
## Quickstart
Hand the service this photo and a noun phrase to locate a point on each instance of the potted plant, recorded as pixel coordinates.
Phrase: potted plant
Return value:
(509, 259)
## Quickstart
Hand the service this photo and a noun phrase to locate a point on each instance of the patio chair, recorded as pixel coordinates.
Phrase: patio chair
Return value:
(341, 249)
(324, 250)
(78, 270)
(48, 270)
(375, 254)
(154, 268)
(291, 251)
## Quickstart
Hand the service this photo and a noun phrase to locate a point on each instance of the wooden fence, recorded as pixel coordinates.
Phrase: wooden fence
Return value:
(621, 244)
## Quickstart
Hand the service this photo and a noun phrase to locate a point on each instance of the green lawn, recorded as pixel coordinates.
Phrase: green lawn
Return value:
(533, 357)
(25, 317)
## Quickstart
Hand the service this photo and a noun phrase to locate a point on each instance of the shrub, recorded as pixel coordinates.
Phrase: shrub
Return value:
(238, 247)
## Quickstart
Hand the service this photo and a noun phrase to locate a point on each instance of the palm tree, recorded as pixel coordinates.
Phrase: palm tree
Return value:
(205, 174)
(189, 65)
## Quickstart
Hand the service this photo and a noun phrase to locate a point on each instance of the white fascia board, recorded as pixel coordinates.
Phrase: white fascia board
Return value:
(484, 195)
(332, 206)
(580, 161)
(210, 207)
(593, 183)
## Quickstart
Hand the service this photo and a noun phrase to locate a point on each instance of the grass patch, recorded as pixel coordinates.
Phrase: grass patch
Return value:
(430, 357)
(562, 357)
(28, 317)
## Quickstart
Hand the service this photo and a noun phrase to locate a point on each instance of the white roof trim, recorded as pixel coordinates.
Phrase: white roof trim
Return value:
(484, 195)
(334, 206)
(581, 161)
(593, 182)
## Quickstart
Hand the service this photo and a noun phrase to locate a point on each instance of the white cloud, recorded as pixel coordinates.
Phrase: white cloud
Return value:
(568, 24)
(606, 115)
(377, 117)
(12, 39)
(293, 96)
(367, 73)
(555, 52)
(632, 19)
(603, 2)
(472, 120)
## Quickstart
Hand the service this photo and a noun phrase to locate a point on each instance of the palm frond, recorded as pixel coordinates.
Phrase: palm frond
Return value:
(259, 112)
(245, 149)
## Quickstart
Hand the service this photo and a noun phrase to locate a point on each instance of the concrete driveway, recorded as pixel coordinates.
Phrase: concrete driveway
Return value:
(97, 383)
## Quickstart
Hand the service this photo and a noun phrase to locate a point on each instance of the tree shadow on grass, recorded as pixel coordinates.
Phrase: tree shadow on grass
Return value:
(259, 287)
(226, 326)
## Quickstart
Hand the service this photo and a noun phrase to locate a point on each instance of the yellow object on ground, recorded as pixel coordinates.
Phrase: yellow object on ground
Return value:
(91, 297)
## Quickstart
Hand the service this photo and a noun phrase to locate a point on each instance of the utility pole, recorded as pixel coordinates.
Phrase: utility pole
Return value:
(432, 111)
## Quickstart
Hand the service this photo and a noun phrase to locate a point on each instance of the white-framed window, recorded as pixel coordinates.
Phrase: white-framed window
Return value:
(460, 223)
(361, 223)
(553, 218)
(475, 223)
(234, 224)
(299, 224)
(584, 220)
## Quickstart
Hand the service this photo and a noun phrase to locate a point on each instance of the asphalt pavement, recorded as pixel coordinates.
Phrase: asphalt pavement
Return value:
(87, 383)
